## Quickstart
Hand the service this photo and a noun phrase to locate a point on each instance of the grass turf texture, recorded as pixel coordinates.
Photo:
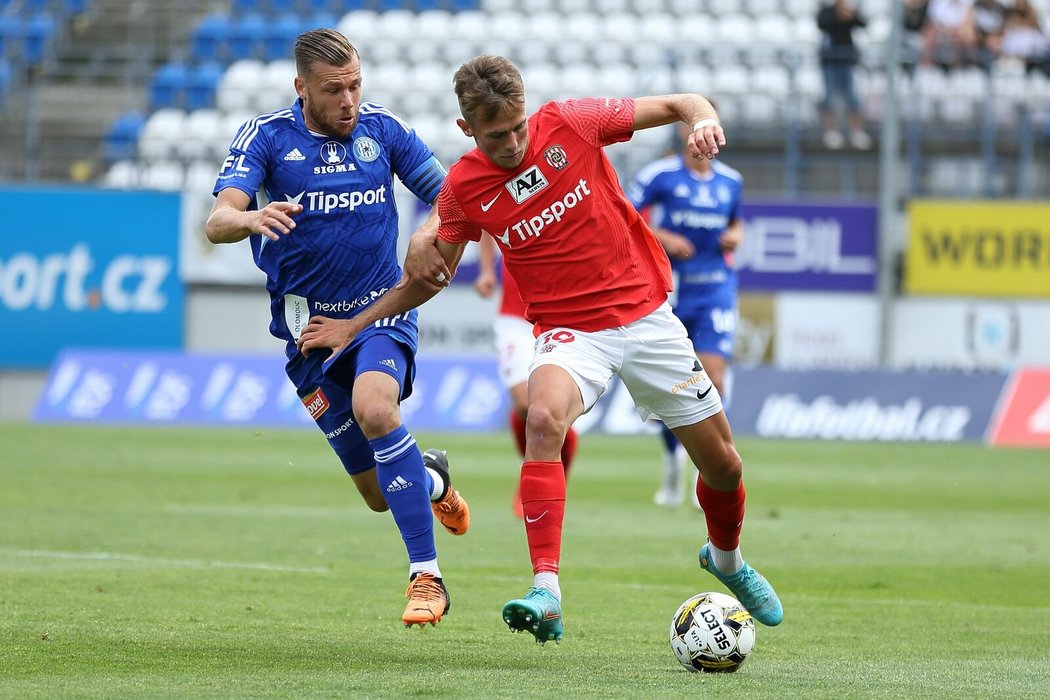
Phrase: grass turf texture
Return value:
(219, 563)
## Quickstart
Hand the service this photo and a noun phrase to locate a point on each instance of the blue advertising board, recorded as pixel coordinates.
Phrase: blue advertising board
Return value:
(88, 268)
(165, 388)
(809, 247)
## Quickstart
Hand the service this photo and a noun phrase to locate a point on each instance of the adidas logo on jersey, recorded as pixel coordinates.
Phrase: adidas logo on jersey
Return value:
(389, 362)
(294, 154)
(398, 484)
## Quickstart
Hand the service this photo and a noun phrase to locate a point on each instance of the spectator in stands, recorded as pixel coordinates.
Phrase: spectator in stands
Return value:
(1023, 37)
(838, 61)
(327, 240)
(595, 280)
(949, 37)
(987, 17)
(693, 207)
(914, 20)
(515, 341)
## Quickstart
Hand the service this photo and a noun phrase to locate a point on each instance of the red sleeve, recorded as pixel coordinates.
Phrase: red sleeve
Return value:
(600, 121)
(454, 227)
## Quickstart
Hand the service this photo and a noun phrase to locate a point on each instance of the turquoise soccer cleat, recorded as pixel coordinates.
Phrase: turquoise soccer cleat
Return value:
(750, 588)
(538, 613)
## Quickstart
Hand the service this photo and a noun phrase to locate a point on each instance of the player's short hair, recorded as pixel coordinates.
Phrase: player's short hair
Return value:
(488, 86)
(322, 46)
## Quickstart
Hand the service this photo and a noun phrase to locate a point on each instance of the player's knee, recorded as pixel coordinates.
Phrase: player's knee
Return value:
(378, 420)
(544, 423)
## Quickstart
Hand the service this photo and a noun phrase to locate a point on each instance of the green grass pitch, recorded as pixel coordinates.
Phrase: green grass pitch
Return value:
(224, 563)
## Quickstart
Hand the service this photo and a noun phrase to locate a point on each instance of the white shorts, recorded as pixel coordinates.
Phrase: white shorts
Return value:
(653, 357)
(515, 344)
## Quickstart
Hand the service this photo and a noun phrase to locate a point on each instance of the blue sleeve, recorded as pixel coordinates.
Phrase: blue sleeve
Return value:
(245, 166)
(738, 193)
(425, 181)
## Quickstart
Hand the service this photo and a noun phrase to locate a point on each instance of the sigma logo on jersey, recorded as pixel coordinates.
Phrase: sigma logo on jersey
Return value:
(366, 149)
(316, 403)
(333, 154)
(329, 201)
(532, 225)
(555, 157)
(527, 184)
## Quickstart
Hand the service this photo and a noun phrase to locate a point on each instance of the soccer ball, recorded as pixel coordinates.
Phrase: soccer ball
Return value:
(712, 632)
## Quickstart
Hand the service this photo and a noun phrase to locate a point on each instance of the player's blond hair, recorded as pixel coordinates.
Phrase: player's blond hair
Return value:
(322, 46)
(488, 86)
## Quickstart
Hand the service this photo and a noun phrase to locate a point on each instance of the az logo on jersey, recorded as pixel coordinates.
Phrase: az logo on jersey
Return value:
(527, 184)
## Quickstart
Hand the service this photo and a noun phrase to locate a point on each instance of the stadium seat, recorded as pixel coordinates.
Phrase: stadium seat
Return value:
(358, 25)
(200, 129)
(237, 85)
(201, 176)
(202, 85)
(279, 36)
(211, 38)
(39, 31)
(121, 140)
(317, 20)
(162, 175)
(122, 175)
(168, 86)
(5, 78)
(246, 36)
(160, 134)
(241, 7)
(462, 5)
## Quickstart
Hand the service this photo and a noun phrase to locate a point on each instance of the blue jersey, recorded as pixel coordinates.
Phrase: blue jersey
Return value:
(700, 208)
(342, 254)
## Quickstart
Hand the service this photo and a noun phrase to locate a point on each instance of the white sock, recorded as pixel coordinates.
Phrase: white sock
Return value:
(727, 563)
(439, 484)
(549, 581)
(430, 566)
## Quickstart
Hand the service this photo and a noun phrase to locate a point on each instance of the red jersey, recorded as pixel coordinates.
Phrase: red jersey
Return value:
(510, 304)
(580, 253)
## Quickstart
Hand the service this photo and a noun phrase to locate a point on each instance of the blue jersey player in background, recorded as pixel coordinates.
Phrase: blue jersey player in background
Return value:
(693, 206)
(325, 234)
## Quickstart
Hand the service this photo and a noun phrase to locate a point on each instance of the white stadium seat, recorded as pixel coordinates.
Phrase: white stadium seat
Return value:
(123, 175)
(161, 133)
(199, 130)
(162, 175)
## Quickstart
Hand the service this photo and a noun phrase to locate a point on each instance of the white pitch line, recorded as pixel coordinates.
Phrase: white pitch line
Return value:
(188, 563)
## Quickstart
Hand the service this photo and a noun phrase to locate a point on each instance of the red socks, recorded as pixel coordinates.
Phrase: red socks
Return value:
(724, 512)
(543, 505)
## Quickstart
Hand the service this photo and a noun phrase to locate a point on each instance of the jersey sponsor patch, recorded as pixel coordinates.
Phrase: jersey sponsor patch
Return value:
(527, 184)
(316, 403)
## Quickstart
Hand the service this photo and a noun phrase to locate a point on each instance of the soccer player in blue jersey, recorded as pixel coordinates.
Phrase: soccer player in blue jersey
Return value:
(326, 237)
(694, 209)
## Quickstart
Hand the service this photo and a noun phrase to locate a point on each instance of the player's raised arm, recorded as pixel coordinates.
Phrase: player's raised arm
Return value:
(688, 108)
(409, 293)
(230, 221)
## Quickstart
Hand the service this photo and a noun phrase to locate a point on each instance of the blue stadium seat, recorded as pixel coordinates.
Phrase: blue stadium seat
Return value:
(246, 36)
(279, 7)
(424, 5)
(387, 5)
(39, 31)
(35, 6)
(168, 87)
(211, 38)
(12, 35)
(320, 19)
(75, 8)
(280, 36)
(241, 7)
(352, 5)
(122, 138)
(202, 84)
(312, 6)
(463, 5)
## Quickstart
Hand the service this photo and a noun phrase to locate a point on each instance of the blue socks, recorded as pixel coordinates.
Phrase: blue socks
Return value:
(407, 487)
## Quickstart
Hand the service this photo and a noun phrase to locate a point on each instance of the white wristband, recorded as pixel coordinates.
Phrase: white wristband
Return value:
(705, 122)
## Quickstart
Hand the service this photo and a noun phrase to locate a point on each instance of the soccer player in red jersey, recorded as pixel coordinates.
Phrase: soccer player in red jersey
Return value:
(515, 341)
(594, 279)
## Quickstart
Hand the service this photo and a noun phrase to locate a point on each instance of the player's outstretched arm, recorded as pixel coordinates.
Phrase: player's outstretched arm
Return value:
(410, 292)
(423, 260)
(486, 282)
(229, 221)
(696, 110)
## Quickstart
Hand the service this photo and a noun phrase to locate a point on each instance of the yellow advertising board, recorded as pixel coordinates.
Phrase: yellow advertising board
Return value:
(983, 248)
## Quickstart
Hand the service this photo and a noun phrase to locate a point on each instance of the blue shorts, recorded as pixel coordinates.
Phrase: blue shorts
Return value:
(711, 328)
(327, 392)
